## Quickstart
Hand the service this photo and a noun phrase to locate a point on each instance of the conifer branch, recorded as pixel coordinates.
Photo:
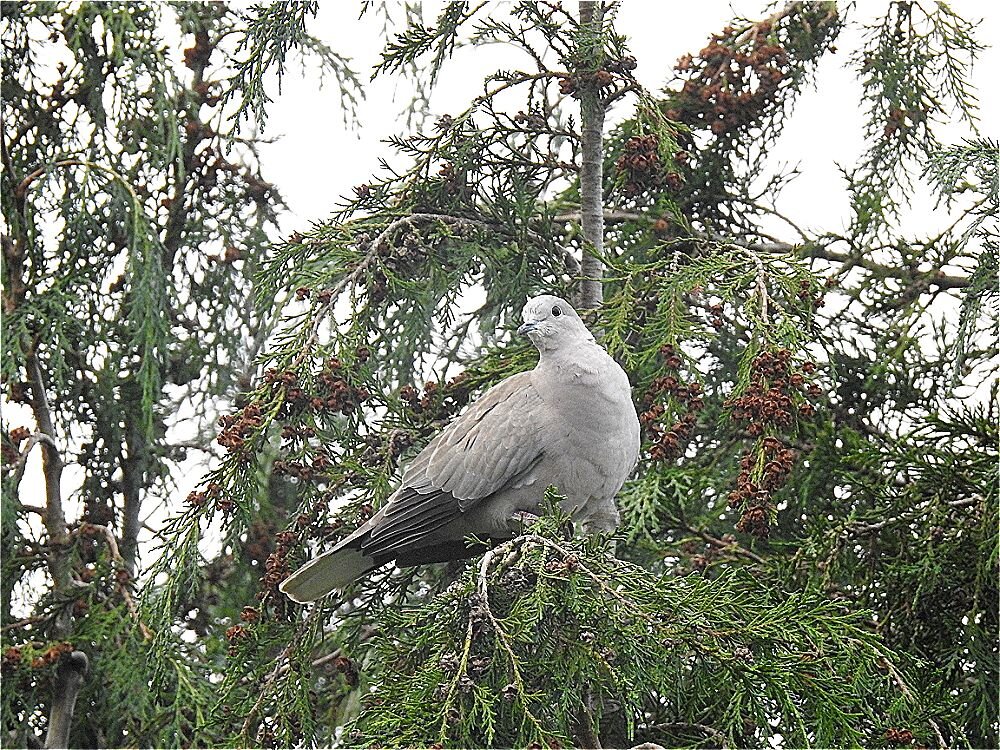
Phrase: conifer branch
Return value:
(897, 678)
(380, 246)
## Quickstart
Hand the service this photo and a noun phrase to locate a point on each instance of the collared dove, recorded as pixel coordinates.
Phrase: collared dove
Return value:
(570, 423)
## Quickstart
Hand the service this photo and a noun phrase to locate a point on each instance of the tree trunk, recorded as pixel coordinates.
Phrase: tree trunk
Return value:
(72, 668)
(69, 679)
(135, 466)
(592, 154)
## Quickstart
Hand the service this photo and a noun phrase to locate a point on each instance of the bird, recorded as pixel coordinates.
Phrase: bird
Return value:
(570, 423)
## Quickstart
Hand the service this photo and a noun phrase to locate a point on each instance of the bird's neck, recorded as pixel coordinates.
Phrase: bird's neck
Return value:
(580, 353)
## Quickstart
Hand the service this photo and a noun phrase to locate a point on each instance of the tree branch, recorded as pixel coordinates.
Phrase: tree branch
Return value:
(134, 467)
(52, 466)
(944, 281)
(116, 556)
(722, 544)
(591, 293)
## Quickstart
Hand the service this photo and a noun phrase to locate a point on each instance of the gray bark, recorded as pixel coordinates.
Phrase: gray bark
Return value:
(69, 679)
(592, 160)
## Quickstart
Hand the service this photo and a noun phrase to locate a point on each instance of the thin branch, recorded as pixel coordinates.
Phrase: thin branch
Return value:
(126, 595)
(942, 281)
(908, 694)
(281, 666)
(52, 466)
(615, 96)
(22, 187)
(761, 281)
(18, 469)
(22, 623)
(611, 216)
(482, 589)
(922, 510)
(732, 546)
(134, 463)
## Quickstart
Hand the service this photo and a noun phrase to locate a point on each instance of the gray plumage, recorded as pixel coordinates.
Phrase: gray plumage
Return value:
(570, 422)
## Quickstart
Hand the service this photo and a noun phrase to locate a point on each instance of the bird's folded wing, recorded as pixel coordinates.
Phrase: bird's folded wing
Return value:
(477, 455)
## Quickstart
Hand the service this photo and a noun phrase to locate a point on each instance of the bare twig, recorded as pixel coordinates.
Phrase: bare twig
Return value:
(633, 86)
(722, 544)
(611, 216)
(109, 539)
(482, 589)
(939, 280)
(22, 623)
(33, 440)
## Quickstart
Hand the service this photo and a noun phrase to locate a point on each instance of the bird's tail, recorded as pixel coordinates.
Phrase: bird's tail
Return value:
(332, 570)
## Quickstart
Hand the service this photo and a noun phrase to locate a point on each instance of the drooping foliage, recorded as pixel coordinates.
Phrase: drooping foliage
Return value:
(136, 219)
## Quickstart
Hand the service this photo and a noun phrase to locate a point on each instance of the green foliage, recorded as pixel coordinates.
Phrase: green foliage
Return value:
(972, 168)
(808, 545)
(270, 33)
(915, 72)
(543, 637)
(922, 514)
(417, 40)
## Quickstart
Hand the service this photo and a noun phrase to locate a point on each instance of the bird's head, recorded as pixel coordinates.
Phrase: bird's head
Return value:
(551, 323)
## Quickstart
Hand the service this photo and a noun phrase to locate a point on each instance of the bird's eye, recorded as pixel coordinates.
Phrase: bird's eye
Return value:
(556, 311)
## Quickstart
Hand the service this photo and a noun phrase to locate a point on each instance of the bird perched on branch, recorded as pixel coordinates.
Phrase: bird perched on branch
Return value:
(570, 422)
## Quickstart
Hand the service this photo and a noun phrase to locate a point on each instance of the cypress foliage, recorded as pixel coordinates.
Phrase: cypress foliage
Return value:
(808, 546)
(134, 215)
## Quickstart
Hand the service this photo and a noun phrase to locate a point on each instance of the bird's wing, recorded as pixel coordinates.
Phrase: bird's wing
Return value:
(478, 454)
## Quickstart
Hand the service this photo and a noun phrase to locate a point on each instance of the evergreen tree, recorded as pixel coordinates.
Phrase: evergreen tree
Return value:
(135, 221)
(808, 546)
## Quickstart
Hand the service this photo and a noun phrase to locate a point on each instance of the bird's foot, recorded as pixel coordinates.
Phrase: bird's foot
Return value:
(520, 520)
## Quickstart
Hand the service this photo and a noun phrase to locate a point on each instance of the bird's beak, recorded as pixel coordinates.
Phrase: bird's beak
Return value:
(527, 328)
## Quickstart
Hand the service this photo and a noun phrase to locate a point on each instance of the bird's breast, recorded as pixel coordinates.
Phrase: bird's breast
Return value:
(590, 404)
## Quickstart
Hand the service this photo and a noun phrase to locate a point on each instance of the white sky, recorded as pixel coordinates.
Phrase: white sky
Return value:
(317, 159)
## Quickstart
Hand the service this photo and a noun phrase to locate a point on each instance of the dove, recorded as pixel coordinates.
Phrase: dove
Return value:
(569, 423)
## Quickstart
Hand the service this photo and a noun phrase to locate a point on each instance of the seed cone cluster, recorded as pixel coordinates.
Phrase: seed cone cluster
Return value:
(768, 406)
(642, 167)
(435, 402)
(14, 656)
(730, 84)
(671, 395)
